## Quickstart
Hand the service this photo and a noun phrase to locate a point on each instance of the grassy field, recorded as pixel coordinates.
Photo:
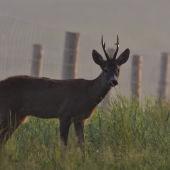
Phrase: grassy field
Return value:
(127, 136)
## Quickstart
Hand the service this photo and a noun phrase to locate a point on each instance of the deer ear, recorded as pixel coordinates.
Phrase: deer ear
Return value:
(123, 57)
(98, 59)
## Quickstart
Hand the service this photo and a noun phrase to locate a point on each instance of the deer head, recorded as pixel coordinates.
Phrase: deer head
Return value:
(111, 66)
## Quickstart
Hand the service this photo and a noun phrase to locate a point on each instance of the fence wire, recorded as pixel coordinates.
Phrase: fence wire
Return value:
(18, 36)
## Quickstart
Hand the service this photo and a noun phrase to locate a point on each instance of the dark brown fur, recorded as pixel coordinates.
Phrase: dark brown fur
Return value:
(68, 100)
(71, 101)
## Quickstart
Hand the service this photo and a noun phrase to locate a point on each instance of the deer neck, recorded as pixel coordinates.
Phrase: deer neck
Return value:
(99, 89)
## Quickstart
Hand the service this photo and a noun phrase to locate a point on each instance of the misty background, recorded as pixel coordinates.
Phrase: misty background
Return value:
(143, 26)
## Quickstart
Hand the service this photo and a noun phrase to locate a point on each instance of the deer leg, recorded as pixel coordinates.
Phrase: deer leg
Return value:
(8, 128)
(79, 129)
(64, 129)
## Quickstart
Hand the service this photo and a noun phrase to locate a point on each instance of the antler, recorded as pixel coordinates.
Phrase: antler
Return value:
(103, 45)
(115, 54)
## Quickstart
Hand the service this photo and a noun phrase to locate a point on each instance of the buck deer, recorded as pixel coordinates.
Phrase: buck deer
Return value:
(72, 101)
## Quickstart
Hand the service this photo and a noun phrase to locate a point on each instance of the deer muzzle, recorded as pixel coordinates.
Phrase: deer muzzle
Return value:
(114, 83)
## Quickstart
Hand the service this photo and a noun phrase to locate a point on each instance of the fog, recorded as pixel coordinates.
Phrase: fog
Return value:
(143, 25)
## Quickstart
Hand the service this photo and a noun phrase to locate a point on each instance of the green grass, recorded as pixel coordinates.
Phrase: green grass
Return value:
(129, 135)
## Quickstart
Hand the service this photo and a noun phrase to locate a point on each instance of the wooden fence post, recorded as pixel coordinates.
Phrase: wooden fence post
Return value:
(164, 76)
(70, 58)
(37, 61)
(136, 76)
(107, 99)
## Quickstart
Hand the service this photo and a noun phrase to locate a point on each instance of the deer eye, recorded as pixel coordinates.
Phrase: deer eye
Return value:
(118, 70)
(105, 70)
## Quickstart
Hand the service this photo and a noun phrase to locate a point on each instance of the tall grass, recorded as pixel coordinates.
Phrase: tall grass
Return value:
(128, 135)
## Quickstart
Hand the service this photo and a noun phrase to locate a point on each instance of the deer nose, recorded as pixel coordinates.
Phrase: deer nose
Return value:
(114, 83)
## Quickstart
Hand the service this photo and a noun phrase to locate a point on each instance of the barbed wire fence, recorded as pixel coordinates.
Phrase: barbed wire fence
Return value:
(18, 36)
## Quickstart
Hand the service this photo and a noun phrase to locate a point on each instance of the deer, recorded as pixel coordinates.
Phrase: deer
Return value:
(70, 100)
